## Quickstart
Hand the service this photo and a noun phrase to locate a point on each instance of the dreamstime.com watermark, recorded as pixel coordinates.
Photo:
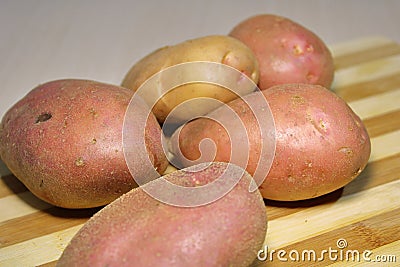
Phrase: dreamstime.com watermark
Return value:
(334, 254)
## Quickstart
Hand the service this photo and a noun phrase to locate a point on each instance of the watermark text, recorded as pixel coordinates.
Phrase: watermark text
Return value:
(334, 254)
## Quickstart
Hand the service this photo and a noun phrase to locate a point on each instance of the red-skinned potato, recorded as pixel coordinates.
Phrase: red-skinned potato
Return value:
(321, 144)
(286, 51)
(63, 140)
(138, 230)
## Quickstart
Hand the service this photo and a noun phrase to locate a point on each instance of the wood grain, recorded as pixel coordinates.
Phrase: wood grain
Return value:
(365, 213)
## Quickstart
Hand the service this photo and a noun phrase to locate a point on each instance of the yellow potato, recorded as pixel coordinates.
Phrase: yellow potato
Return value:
(180, 82)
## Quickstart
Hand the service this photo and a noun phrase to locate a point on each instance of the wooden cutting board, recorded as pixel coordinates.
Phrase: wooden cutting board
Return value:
(361, 219)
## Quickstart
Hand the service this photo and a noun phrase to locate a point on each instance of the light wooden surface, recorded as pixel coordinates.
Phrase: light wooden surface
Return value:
(365, 213)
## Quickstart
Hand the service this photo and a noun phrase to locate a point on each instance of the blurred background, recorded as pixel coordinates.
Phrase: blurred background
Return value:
(43, 40)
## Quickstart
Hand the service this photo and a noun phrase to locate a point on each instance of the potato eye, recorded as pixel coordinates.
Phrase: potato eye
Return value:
(43, 117)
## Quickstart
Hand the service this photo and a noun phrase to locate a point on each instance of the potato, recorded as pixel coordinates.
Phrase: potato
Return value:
(286, 51)
(138, 230)
(321, 144)
(216, 48)
(63, 140)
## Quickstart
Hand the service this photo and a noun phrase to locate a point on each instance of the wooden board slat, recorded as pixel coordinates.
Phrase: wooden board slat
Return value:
(363, 50)
(365, 213)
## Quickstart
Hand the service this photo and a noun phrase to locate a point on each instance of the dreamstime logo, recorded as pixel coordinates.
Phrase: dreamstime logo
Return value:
(341, 243)
(200, 72)
(340, 253)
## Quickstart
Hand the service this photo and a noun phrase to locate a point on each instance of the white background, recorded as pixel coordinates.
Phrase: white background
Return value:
(42, 40)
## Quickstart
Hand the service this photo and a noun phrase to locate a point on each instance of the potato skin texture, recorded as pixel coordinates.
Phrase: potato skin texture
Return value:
(63, 140)
(138, 230)
(286, 51)
(321, 144)
(215, 48)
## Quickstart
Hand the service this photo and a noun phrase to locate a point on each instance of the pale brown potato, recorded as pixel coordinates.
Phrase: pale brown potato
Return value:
(63, 140)
(138, 230)
(321, 144)
(215, 48)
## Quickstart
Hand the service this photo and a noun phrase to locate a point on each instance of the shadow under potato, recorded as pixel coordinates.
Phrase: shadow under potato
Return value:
(362, 182)
(324, 199)
(72, 213)
(15, 185)
(4, 171)
(22, 192)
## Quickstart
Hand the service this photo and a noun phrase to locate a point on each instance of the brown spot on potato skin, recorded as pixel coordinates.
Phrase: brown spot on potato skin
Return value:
(79, 162)
(322, 125)
(346, 150)
(297, 51)
(298, 100)
(93, 113)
